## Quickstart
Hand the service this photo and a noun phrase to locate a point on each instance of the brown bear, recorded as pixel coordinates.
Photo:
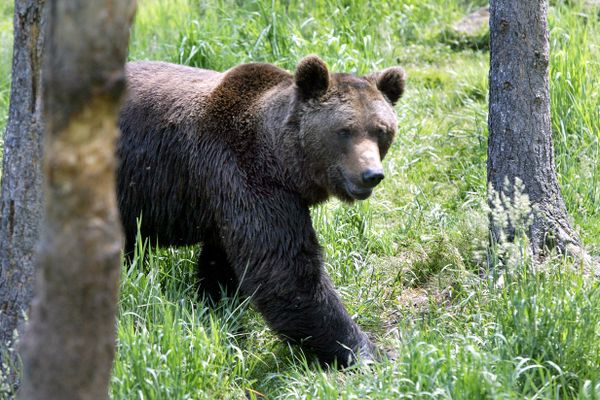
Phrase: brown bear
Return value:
(234, 160)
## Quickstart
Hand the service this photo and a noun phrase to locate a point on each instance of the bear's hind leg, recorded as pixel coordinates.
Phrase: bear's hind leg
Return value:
(129, 248)
(215, 274)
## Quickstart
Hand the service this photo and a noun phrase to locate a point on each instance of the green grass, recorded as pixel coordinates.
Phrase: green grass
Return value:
(408, 262)
(6, 9)
(575, 101)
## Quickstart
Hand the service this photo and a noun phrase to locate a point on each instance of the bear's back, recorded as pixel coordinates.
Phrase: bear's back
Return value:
(174, 94)
(171, 91)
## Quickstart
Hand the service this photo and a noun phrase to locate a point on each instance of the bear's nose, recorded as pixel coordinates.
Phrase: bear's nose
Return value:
(372, 177)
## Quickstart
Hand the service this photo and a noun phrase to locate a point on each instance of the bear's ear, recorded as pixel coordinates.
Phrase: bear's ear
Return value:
(390, 82)
(312, 77)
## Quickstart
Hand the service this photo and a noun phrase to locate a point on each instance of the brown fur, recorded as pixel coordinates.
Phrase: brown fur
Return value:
(233, 160)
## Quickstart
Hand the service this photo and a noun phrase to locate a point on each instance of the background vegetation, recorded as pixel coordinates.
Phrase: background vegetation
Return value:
(410, 262)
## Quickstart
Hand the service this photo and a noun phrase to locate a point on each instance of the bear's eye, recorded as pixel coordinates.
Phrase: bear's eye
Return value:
(344, 133)
(381, 133)
(384, 137)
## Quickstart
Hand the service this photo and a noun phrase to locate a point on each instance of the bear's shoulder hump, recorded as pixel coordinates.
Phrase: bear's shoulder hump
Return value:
(255, 77)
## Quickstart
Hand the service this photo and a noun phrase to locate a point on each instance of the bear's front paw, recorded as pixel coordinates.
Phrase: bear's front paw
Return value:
(367, 356)
(366, 353)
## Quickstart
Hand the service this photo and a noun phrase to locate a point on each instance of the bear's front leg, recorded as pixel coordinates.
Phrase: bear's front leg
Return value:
(315, 318)
(278, 263)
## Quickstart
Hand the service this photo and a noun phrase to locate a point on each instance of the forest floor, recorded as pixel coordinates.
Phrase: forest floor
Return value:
(410, 263)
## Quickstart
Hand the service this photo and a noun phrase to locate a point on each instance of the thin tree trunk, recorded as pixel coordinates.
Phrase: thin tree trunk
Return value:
(69, 345)
(21, 201)
(520, 134)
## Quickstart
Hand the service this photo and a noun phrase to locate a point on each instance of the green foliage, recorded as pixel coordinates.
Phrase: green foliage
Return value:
(410, 263)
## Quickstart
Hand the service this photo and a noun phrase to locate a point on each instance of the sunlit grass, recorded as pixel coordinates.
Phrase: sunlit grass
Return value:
(575, 104)
(6, 10)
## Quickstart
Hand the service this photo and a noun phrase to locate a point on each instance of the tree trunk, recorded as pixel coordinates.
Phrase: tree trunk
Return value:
(69, 345)
(520, 135)
(21, 201)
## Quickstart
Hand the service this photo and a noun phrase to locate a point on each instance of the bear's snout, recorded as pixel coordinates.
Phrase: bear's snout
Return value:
(372, 176)
(368, 171)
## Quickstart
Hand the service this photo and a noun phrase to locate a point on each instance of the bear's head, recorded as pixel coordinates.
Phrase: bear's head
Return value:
(346, 126)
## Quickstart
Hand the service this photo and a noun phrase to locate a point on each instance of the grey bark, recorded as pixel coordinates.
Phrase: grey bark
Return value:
(69, 344)
(21, 200)
(520, 135)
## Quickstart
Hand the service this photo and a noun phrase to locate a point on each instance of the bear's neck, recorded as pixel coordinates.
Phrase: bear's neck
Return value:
(283, 134)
